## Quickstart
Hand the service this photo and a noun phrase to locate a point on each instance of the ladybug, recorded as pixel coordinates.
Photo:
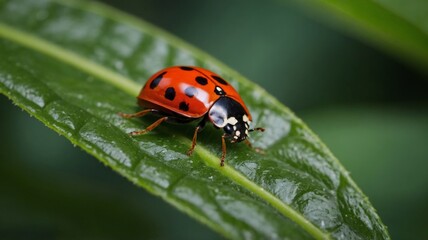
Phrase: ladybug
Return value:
(184, 94)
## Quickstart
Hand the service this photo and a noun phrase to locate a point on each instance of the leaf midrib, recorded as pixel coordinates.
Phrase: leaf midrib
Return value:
(132, 89)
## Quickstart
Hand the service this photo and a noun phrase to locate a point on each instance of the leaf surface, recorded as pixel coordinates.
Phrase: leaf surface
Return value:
(74, 65)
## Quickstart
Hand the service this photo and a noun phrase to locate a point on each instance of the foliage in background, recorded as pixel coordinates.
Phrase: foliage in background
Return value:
(398, 26)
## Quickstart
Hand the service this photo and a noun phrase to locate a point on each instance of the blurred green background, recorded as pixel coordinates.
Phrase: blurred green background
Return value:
(368, 106)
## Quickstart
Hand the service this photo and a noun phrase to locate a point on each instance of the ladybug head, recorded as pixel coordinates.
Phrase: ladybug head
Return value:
(230, 115)
(237, 130)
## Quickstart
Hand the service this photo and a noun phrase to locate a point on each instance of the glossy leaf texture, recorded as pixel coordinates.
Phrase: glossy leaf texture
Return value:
(398, 26)
(74, 65)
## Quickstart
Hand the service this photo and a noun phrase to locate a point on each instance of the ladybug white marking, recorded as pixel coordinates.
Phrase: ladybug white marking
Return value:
(245, 118)
(232, 121)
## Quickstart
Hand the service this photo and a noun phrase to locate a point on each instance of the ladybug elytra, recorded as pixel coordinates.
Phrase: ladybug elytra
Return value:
(183, 94)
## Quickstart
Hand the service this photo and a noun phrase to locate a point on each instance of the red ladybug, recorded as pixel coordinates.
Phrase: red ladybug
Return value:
(183, 94)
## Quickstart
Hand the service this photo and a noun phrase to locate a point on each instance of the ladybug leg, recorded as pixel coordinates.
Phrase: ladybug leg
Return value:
(149, 128)
(195, 135)
(199, 128)
(138, 114)
(248, 143)
(223, 150)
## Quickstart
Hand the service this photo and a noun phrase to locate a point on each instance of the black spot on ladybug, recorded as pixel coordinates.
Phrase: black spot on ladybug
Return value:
(219, 79)
(219, 91)
(156, 81)
(170, 93)
(184, 106)
(186, 68)
(190, 91)
(201, 80)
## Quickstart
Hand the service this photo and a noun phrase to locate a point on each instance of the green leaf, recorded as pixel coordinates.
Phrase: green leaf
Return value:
(384, 131)
(74, 65)
(398, 26)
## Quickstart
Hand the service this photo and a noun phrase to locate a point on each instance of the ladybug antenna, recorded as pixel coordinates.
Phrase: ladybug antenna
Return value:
(257, 129)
